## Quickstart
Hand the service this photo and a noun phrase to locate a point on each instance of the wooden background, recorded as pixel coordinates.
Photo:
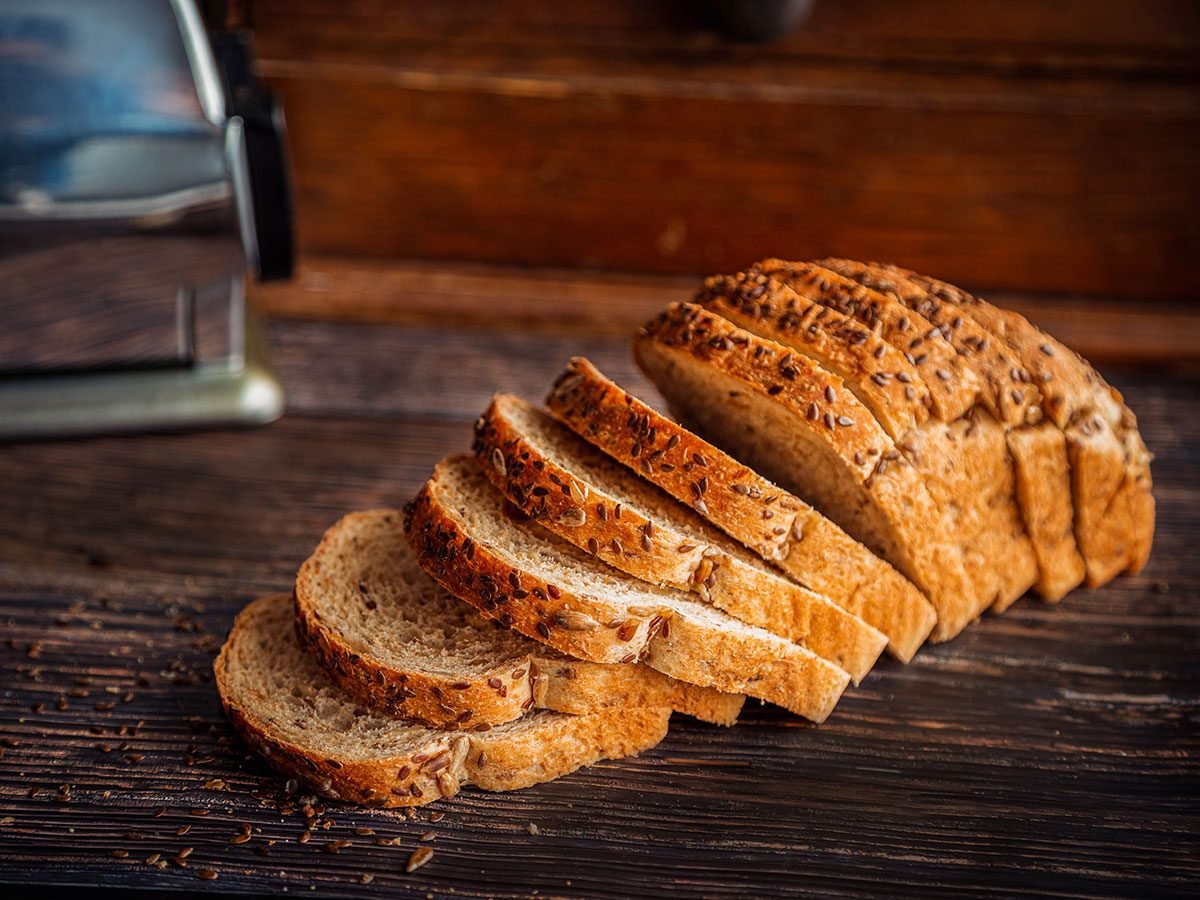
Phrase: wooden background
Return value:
(485, 189)
(1050, 751)
(1011, 145)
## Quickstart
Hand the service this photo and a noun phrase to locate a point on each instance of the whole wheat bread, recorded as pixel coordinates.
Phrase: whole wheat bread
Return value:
(778, 526)
(487, 552)
(286, 708)
(398, 641)
(581, 495)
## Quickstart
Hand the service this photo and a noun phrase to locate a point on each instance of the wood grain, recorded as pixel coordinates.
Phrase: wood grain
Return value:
(1004, 34)
(612, 141)
(613, 304)
(1050, 751)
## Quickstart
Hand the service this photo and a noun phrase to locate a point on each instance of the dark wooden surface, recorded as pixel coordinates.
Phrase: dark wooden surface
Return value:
(1052, 751)
(1011, 146)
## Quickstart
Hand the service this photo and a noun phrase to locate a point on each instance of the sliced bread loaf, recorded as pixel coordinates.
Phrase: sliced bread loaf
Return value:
(1111, 485)
(965, 464)
(287, 709)
(778, 526)
(390, 635)
(483, 550)
(790, 419)
(581, 495)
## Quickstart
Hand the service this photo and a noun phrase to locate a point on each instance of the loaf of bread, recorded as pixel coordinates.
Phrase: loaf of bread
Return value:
(1111, 486)
(862, 456)
(785, 416)
(964, 463)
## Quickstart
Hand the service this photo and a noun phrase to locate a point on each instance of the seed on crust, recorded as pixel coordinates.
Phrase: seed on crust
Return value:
(573, 517)
(498, 462)
(579, 493)
(574, 620)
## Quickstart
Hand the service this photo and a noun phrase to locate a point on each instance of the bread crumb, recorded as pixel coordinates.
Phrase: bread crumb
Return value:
(533, 829)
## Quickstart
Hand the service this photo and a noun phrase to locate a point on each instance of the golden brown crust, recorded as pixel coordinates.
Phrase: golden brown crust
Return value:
(654, 550)
(741, 502)
(1007, 391)
(762, 516)
(462, 563)
(849, 434)
(959, 465)
(952, 392)
(601, 630)
(577, 510)
(1043, 504)
(879, 374)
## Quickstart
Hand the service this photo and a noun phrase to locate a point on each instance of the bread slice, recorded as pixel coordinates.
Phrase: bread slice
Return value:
(1111, 486)
(778, 526)
(485, 551)
(965, 464)
(790, 419)
(581, 495)
(390, 635)
(286, 708)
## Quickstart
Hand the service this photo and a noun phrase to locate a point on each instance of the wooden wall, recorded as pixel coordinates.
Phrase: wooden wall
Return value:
(1019, 146)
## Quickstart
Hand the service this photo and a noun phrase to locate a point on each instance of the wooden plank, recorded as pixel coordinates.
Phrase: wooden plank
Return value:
(1048, 751)
(612, 304)
(987, 33)
(1034, 179)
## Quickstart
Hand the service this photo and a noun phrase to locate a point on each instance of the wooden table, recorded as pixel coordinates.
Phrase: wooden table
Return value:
(1049, 751)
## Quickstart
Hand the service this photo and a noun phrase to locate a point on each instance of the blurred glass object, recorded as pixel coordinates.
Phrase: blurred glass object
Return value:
(127, 223)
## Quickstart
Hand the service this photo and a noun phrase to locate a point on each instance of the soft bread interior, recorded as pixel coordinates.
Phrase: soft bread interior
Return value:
(365, 583)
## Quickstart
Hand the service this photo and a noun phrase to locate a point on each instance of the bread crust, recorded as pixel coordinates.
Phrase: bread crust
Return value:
(1003, 388)
(779, 527)
(653, 549)
(896, 324)
(600, 629)
(860, 445)
(506, 692)
(496, 761)
(881, 376)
